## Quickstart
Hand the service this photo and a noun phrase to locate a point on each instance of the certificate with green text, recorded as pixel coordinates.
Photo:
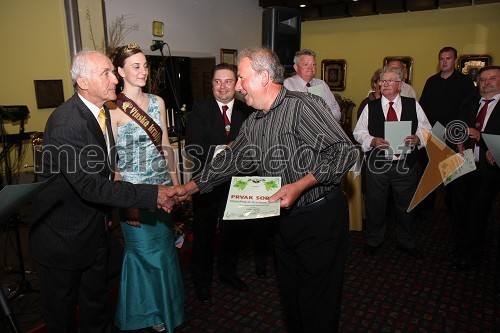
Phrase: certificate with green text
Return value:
(249, 198)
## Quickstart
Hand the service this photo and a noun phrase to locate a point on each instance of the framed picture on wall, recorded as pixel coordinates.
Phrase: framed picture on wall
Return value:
(228, 56)
(470, 64)
(407, 64)
(49, 93)
(333, 72)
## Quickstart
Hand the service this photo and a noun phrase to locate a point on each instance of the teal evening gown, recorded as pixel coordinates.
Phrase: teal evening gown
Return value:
(151, 287)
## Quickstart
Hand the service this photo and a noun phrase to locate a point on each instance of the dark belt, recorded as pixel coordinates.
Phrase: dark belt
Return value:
(330, 196)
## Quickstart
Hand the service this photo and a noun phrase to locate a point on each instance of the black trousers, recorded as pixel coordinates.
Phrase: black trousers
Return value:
(311, 250)
(61, 291)
(207, 209)
(473, 197)
(403, 182)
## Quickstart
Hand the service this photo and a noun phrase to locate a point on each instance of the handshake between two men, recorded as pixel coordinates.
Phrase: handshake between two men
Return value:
(169, 196)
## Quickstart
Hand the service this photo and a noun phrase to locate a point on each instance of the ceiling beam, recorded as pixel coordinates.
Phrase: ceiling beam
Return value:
(361, 8)
(389, 6)
(334, 9)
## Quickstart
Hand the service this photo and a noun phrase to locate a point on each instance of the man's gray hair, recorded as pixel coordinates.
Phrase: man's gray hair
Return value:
(392, 70)
(298, 54)
(264, 59)
(79, 65)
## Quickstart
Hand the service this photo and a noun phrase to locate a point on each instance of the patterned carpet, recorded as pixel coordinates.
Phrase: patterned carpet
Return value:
(387, 292)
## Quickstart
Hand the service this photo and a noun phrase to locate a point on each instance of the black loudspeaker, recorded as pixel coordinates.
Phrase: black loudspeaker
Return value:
(281, 33)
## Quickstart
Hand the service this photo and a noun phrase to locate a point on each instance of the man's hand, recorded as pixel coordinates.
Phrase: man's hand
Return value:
(132, 216)
(490, 158)
(288, 194)
(412, 140)
(166, 198)
(474, 134)
(379, 143)
(179, 192)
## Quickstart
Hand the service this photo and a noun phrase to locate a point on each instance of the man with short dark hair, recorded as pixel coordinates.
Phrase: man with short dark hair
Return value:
(213, 122)
(445, 91)
(475, 192)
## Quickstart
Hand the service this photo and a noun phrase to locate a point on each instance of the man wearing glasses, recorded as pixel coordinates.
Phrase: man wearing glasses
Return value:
(386, 168)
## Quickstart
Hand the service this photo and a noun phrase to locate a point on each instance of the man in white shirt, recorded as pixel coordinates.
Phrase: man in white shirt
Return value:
(474, 194)
(395, 170)
(305, 81)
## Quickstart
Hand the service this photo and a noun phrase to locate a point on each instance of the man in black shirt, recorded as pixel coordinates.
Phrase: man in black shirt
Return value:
(445, 91)
(441, 98)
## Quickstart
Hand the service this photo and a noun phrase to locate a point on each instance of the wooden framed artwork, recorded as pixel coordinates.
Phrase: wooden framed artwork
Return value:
(407, 64)
(470, 64)
(49, 93)
(333, 72)
(228, 56)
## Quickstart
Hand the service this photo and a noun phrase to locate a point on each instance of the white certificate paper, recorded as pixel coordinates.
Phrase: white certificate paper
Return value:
(249, 198)
(439, 131)
(493, 144)
(317, 90)
(395, 133)
(456, 166)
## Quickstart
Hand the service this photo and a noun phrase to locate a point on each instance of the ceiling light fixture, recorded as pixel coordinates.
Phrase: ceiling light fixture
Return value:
(302, 6)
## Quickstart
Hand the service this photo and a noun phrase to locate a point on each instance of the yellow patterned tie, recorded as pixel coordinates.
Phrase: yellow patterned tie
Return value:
(101, 118)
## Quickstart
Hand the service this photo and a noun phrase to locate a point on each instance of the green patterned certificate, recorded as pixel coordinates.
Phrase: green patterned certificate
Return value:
(249, 198)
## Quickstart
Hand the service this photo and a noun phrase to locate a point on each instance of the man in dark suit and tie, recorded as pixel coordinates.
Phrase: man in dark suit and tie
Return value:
(475, 192)
(214, 122)
(69, 233)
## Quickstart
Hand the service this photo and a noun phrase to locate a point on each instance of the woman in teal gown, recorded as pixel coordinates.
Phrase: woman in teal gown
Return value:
(151, 288)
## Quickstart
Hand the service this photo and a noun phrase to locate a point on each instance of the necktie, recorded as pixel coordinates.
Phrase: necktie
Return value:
(308, 84)
(227, 123)
(480, 120)
(391, 116)
(101, 118)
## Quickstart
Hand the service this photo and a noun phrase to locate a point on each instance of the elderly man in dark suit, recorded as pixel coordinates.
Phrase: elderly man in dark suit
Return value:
(475, 192)
(214, 122)
(69, 233)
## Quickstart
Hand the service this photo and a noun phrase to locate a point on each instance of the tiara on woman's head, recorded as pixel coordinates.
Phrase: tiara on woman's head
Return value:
(130, 47)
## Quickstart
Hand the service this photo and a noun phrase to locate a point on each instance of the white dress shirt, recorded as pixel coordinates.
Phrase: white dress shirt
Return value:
(489, 111)
(296, 83)
(362, 135)
(229, 110)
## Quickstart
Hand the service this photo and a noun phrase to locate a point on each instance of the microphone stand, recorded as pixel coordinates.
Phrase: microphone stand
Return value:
(179, 120)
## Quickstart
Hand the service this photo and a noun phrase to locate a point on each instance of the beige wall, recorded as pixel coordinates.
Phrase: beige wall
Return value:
(34, 47)
(364, 41)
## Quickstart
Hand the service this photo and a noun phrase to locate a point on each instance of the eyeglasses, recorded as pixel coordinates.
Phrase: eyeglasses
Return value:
(390, 82)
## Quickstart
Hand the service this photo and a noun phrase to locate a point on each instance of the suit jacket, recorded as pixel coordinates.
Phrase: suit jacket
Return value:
(205, 130)
(469, 113)
(69, 215)
(491, 174)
